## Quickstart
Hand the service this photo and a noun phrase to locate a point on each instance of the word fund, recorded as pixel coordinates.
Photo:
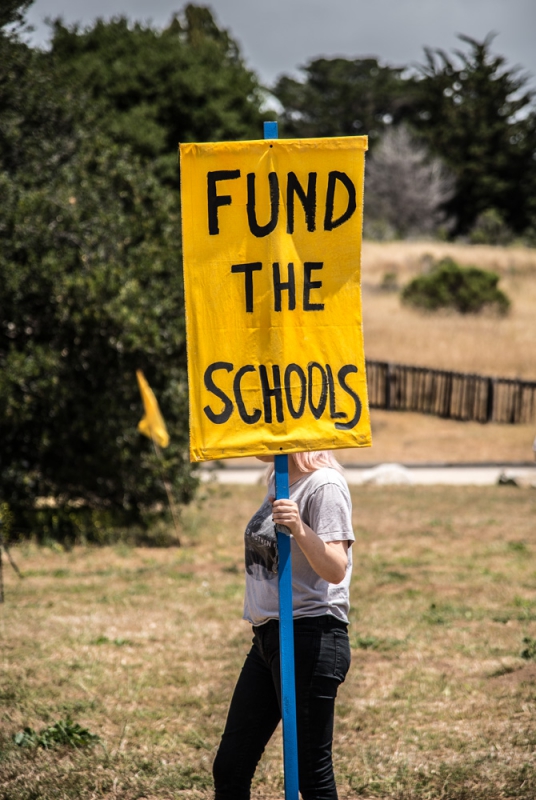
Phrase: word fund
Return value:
(294, 190)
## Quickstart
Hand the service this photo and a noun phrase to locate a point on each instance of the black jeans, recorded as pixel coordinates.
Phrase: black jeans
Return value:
(322, 659)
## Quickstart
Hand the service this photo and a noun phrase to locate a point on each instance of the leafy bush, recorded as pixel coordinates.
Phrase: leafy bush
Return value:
(490, 228)
(448, 285)
(389, 282)
(529, 235)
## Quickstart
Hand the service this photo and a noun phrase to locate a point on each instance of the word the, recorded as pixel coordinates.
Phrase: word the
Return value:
(281, 286)
(307, 198)
(290, 391)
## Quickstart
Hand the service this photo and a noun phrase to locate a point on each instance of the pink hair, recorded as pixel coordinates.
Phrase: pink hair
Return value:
(315, 459)
(309, 461)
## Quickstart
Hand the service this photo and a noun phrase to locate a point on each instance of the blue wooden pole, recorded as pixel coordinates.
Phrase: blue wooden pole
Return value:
(286, 642)
(286, 627)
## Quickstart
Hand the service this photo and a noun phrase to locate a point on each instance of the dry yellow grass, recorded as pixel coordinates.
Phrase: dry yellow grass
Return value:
(505, 347)
(410, 438)
(143, 647)
(405, 258)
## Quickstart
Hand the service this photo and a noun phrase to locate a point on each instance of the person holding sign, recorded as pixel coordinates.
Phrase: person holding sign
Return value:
(276, 366)
(318, 516)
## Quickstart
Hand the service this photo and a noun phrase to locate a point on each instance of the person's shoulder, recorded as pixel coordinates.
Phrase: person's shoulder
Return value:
(325, 476)
(327, 488)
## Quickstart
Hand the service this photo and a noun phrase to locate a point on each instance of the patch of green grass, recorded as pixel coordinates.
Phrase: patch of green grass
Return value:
(118, 641)
(138, 588)
(375, 643)
(383, 777)
(62, 733)
(445, 613)
(10, 691)
(520, 547)
(393, 576)
(529, 648)
(61, 573)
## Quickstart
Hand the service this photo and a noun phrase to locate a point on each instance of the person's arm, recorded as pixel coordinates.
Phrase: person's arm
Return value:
(328, 559)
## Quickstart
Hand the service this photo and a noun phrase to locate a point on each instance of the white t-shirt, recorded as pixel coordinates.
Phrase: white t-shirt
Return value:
(326, 507)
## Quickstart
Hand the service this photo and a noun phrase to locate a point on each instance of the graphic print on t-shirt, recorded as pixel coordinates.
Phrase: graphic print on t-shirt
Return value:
(261, 545)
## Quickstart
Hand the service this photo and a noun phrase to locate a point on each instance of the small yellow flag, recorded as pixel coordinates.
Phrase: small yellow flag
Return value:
(152, 424)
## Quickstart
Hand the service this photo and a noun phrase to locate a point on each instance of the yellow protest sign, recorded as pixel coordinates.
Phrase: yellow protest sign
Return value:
(272, 249)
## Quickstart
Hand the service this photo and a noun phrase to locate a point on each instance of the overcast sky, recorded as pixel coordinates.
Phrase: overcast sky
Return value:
(277, 36)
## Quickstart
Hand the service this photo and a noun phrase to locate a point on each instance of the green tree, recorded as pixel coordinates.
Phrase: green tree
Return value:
(471, 110)
(12, 14)
(90, 290)
(156, 88)
(343, 97)
(478, 116)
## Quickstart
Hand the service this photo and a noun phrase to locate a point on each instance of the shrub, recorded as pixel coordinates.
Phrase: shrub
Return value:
(389, 282)
(448, 285)
(490, 228)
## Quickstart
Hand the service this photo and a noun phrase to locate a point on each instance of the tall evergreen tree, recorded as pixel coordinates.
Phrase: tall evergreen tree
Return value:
(479, 116)
(344, 97)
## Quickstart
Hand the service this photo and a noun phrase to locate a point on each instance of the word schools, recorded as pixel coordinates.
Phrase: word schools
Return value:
(291, 390)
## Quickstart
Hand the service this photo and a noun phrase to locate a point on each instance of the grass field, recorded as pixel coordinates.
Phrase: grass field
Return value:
(143, 646)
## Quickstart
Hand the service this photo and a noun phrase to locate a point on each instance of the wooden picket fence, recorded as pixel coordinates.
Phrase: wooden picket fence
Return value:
(452, 395)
